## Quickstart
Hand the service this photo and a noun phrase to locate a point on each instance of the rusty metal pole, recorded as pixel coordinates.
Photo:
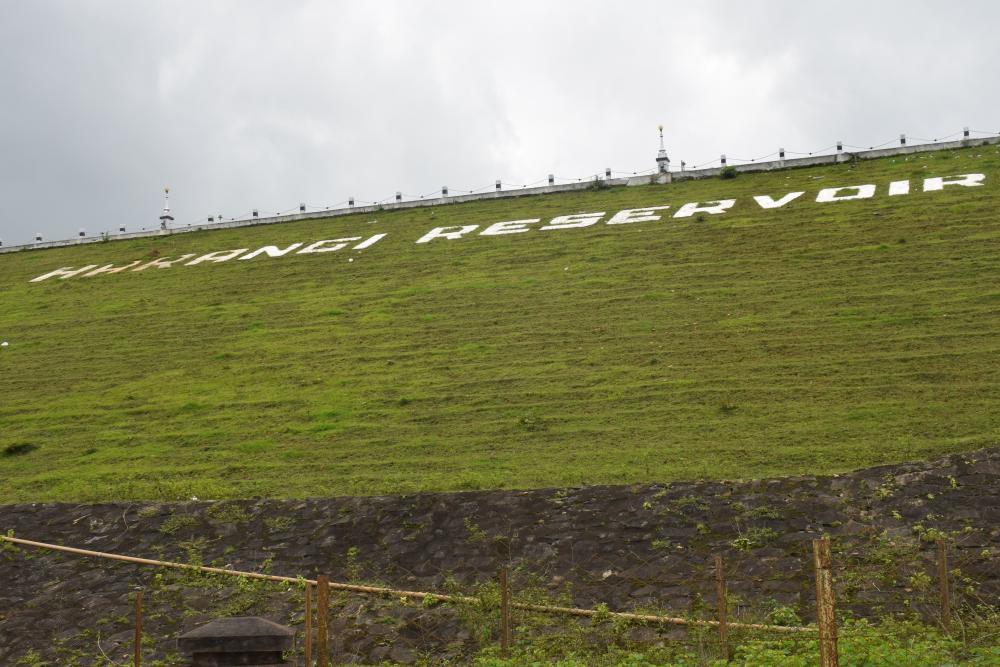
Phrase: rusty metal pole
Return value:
(722, 605)
(137, 658)
(322, 623)
(504, 612)
(308, 648)
(825, 611)
(942, 552)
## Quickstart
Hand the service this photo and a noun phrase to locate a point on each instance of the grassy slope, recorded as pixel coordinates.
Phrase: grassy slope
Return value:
(814, 338)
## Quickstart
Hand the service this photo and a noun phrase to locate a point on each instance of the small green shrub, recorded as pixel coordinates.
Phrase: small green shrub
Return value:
(9, 549)
(784, 615)
(32, 659)
(728, 173)
(279, 522)
(753, 539)
(476, 534)
(764, 512)
(176, 522)
(227, 513)
(352, 568)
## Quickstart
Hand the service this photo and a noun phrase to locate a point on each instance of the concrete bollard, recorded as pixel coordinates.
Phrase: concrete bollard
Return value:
(607, 173)
(965, 132)
(255, 214)
(399, 196)
(902, 140)
(840, 146)
(498, 185)
(722, 159)
(444, 191)
(243, 640)
(302, 208)
(82, 233)
(552, 179)
(350, 202)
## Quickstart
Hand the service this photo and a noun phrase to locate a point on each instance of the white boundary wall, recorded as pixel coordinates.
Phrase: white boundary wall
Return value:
(772, 165)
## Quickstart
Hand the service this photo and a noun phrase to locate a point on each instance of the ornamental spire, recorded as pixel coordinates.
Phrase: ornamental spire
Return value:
(165, 217)
(662, 159)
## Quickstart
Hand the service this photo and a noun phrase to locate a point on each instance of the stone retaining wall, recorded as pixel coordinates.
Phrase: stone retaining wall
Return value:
(626, 546)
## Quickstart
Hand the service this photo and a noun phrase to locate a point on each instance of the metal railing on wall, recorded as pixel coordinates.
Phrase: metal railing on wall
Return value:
(779, 159)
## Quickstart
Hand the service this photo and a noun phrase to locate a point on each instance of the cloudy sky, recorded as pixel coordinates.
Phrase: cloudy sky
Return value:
(265, 104)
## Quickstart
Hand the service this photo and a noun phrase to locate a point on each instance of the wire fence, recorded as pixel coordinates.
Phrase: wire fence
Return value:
(522, 616)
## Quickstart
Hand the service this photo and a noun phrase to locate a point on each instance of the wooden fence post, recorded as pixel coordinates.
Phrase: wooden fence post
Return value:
(942, 552)
(322, 622)
(504, 612)
(308, 649)
(825, 611)
(722, 605)
(137, 659)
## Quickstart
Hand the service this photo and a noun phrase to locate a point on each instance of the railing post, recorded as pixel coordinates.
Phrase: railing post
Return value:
(504, 612)
(322, 624)
(308, 644)
(825, 610)
(942, 553)
(723, 606)
(137, 658)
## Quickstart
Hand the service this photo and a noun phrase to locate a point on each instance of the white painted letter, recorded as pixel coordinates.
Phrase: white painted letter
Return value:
(899, 188)
(110, 268)
(270, 251)
(570, 221)
(636, 215)
(712, 207)
(163, 263)
(337, 245)
(860, 192)
(218, 256)
(369, 242)
(441, 232)
(512, 227)
(968, 180)
(765, 201)
(63, 273)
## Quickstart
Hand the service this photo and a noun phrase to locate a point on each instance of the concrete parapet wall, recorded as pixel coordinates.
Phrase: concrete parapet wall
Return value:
(833, 158)
(712, 172)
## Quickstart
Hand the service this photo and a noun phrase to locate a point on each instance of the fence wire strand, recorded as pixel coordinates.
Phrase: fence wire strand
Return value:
(551, 614)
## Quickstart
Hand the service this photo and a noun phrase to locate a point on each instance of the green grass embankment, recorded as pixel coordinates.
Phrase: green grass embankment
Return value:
(811, 338)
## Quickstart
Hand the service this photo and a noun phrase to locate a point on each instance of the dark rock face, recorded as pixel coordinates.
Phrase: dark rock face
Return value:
(628, 547)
